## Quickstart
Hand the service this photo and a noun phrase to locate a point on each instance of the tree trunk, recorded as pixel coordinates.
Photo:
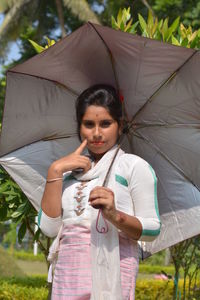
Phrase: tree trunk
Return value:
(61, 17)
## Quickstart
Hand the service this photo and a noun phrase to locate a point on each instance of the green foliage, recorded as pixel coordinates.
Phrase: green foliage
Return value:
(156, 269)
(15, 206)
(35, 287)
(39, 48)
(10, 237)
(153, 28)
(159, 290)
(35, 281)
(153, 289)
(188, 10)
(13, 291)
(156, 259)
(187, 38)
(186, 256)
(28, 256)
(24, 288)
(124, 21)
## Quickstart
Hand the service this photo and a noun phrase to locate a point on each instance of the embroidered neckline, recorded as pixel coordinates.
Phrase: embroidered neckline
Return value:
(79, 197)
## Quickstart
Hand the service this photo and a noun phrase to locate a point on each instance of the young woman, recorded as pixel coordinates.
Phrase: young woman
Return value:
(98, 223)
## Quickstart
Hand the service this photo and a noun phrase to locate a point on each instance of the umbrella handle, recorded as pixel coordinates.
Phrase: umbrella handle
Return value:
(103, 229)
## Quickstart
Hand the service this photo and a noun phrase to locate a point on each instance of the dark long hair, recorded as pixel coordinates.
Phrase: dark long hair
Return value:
(100, 95)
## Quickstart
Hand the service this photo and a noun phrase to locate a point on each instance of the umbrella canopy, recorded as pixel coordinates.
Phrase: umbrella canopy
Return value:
(160, 85)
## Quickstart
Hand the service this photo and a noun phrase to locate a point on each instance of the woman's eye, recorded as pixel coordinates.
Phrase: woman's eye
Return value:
(88, 124)
(106, 123)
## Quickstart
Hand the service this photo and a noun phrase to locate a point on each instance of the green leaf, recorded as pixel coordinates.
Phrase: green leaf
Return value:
(3, 187)
(119, 17)
(21, 232)
(173, 28)
(195, 42)
(10, 198)
(122, 26)
(142, 22)
(16, 214)
(150, 21)
(128, 26)
(11, 205)
(133, 28)
(3, 213)
(36, 46)
(49, 42)
(175, 41)
(184, 42)
(114, 23)
(165, 29)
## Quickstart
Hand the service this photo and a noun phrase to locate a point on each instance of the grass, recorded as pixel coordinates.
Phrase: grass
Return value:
(27, 255)
(32, 267)
(8, 265)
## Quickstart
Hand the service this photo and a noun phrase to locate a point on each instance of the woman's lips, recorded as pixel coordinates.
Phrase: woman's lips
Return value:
(96, 143)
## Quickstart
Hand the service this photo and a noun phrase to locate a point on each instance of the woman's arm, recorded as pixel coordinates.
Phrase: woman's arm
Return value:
(51, 201)
(145, 224)
(49, 218)
(101, 197)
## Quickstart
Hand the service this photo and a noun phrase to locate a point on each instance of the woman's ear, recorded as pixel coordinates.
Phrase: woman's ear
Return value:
(120, 130)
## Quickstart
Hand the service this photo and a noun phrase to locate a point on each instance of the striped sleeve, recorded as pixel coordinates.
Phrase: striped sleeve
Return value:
(49, 226)
(143, 188)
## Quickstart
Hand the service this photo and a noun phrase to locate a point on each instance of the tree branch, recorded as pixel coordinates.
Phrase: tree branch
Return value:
(148, 6)
(82, 10)
(12, 20)
(44, 250)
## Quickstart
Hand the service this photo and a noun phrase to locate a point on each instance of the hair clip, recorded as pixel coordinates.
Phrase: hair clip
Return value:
(121, 97)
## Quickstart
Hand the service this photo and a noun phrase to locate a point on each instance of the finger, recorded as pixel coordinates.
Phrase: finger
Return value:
(82, 146)
(107, 197)
(82, 162)
(102, 191)
(99, 203)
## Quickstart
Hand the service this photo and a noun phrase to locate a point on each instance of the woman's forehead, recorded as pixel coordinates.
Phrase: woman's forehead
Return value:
(94, 111)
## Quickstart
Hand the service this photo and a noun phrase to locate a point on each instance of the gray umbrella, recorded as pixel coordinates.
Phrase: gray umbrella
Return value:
(161, 86)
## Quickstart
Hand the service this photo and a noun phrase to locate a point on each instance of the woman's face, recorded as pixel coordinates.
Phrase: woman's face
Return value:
(100, 130)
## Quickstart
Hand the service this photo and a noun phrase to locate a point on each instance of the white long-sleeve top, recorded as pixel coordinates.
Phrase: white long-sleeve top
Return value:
(136, 190)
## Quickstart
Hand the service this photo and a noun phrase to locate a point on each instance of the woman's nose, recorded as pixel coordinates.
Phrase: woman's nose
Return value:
(97, 131)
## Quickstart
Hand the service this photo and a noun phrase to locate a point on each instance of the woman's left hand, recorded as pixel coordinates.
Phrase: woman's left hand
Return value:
(103, 198)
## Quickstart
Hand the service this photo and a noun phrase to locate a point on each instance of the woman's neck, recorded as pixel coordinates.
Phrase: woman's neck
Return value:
(96, 157)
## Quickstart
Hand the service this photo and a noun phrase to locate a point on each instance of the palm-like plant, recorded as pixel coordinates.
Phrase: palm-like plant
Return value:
(45, 15)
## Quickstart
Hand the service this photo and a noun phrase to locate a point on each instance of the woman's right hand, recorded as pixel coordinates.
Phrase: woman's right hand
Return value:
(71, 162)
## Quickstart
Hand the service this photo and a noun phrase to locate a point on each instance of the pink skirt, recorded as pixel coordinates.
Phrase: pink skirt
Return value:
(72, 276)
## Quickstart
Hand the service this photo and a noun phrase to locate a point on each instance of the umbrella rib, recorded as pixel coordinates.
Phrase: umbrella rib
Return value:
(139, 135)
(41, 140)
(162, 85)
(58, 83)
(165, 125)
(125, 115)
(109, 53)
(54, 137)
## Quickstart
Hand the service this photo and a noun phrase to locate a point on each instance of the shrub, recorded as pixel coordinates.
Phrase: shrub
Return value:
(14, 292)
(33, 287)
(159, 289)
(24, 255)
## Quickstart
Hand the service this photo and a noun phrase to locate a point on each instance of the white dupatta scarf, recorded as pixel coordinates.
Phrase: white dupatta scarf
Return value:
(106, 279)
